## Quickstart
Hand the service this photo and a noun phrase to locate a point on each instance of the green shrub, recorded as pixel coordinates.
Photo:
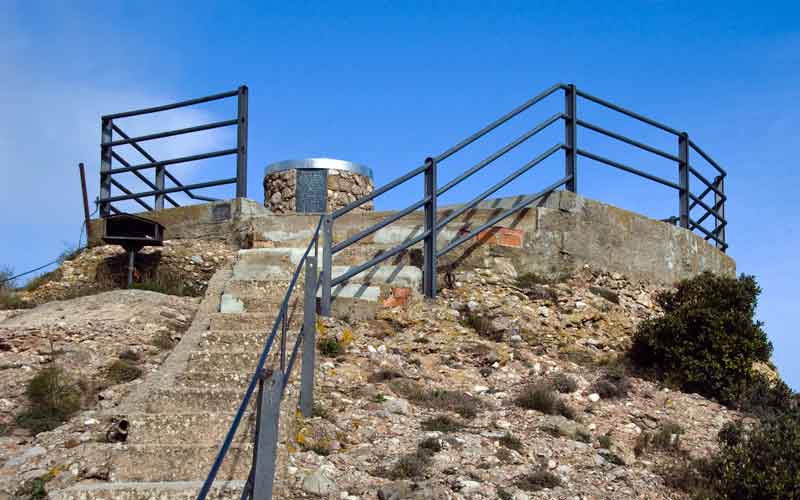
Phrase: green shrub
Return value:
(511, 442)
(707, 340)
(168, 283)
(130, 355)
(330, 346)
(757, 463)
(54, 397)
(121, 371)
(542, 397)
(411, 465)
(605, 441)
(432, 445)
(666, 438)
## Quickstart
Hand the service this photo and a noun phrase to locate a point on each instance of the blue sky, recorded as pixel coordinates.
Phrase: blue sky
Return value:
(387, 84)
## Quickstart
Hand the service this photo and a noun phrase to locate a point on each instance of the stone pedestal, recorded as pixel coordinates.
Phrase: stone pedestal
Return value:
(315, 185)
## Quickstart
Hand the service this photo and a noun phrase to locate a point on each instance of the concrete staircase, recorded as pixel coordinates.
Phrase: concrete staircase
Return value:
(181, 413)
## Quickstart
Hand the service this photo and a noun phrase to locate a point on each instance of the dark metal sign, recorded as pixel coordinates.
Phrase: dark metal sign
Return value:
(312, 191)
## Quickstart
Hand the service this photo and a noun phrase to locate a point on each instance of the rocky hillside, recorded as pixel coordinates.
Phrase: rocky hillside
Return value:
(500, 388)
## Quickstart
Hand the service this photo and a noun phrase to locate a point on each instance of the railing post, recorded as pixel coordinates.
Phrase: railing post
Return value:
(87, 219)
(309, 339)
(570, 138)
(241, 145)
(267, 445)
(429, 271)
(719, 207)
(327, 266)
(159, 197)
(683, 179)
(105, 166)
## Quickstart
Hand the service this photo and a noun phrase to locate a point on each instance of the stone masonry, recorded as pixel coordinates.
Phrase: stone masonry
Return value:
(343, 187)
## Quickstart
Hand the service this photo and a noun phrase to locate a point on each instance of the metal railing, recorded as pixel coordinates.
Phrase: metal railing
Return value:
(569, 117)
(269, 384)
(158, 188)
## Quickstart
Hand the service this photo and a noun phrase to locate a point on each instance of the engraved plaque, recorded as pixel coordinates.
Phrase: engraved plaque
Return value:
(221, 212)
(312, 191)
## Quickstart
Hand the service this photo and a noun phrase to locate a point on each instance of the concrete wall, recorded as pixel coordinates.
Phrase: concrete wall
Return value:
(558, 233)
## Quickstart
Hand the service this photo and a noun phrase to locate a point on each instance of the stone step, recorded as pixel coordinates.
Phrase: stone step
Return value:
(262, 296)
(216, 379)
(237, 360)
(354, 301)
(158, 490)
(236, 339)
(206, 428)
(405, 276)
(242, 321)
(195, 399)
(146, 462)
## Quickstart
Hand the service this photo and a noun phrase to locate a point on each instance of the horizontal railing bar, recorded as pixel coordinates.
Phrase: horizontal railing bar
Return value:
(707, 183)
(471, 204)
(626, 168)
(708, 208)
(380, 225)
(386, 187)
(707, 157)
(628, 112)
(508, 213)
(485, 130)
(500, 152)
(627, 140)
(166, 107)
(200, 185)
(171, 133)
(388, 254)
(184, 159)
(128, 191)
(171, 177)
(142, 178)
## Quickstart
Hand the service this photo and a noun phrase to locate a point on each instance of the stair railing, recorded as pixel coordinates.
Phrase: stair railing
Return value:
(569, 117)
(269, 383)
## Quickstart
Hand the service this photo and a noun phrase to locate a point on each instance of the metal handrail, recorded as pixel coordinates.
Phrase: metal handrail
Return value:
(259, 373)
(157, 186)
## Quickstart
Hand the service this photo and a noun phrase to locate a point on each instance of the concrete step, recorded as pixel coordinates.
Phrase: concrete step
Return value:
(195, 399)
(242, 321)
(261, 296)
(391, 276)
(146, 462)
(159, 490)
(205, 428)
(236, 360)
(216, 379)
(235, 339)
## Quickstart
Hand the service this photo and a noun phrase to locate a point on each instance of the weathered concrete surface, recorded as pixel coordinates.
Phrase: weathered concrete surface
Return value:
(558, 233)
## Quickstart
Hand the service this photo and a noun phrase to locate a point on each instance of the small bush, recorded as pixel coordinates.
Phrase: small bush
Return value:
(440, 399)
(607, 294)
(129, 355)
(330, 346)
(167, 283)
(441, 423)
(565, 384)
(707, 340)
(411, 465)
(613, 383)
(605, 441)
(53, 397)
(384, 376)
(482, 326)
(511, 442)
(543, 398)
(432, 445)
(121, 371)
(537, 480)
(504, 495)
(666, 438)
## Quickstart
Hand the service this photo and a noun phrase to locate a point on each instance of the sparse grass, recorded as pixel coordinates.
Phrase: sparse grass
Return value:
(528, 280)
(605, 441)
(537, 480)
(163, 340)
(321, 448)
(482, 326)
(320, 411)
(53, 396)
(666, 438)
(379, 398)
(564, 383)
(330, 346)
(504, 495)
(121, 371)
(542, 397)
(511, 442)
(440, 399)
(167, 283)
(433, 445)
(411, 465)
(43, 278)
(442, 423)
(607, 294)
